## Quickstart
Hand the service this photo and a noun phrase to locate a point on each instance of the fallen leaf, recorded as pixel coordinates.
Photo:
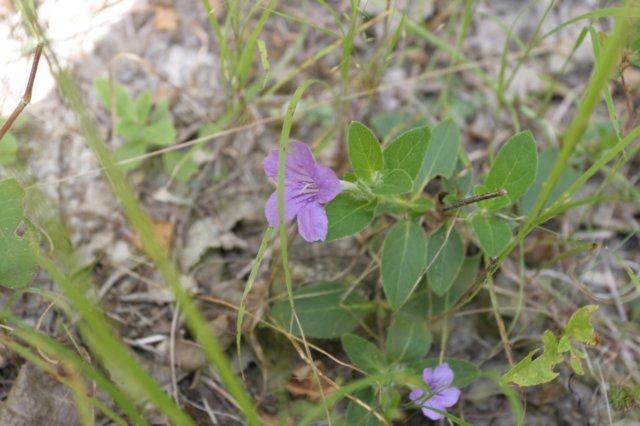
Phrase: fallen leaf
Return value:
(164, 232)
(303, 382)
(166, 18)
(36, 398)
(206, 234)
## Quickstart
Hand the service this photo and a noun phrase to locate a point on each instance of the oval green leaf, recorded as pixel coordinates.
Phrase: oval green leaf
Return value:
(348, 216)
(442, 154)
(407, 151)
(408, 338)
(493, 233)
(515, 167)
(403, 261)
(365, 153)
(322, 311)
(364, 354)
(17, 263)
(445, 258)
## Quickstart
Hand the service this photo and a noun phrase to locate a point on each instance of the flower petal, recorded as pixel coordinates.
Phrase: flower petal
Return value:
(432, 414)
(328, 184)
(299, 164)
(312, 222)
(291, 207)
(441, 378)
(445, 398)
(416, 394)
(270, 164)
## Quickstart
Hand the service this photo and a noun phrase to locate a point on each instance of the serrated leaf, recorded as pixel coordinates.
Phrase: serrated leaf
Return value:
(403, 260)
(445, 255)
(394, 182)
(579, 326)
(348, 216)
(532, 372)
(322, 311)
(408, 339)
(494, 233)
(365, 153)
(407, 151)
(17, 262)
(514, 169)
(364, 354)
(159, 133)
(442, 154)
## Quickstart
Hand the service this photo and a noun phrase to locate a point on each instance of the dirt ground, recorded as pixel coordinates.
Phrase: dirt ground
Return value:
(215, 222)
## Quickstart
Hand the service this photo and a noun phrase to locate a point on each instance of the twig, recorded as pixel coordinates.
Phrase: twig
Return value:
(26, 98)
(474, 199)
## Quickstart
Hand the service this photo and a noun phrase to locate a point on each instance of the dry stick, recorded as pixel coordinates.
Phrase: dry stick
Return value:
(26, 98)
(474, 199)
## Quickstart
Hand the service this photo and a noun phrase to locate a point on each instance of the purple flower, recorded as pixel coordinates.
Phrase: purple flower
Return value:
(440, 394)
(307, 186)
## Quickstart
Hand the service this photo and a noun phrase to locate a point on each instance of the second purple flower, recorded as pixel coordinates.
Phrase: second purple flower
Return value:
(307, 187)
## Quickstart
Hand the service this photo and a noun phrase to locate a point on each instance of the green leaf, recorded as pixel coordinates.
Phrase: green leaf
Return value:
(125, 106)
(130, 150)
(579, 326)
(364, 354)
(494, 233)
(365, 153)
(464, 372)
(188, 167)
(348, 216)
(445, 255)
(403, 261)
(143, 106)
(129, 129)
(360, 416)
(532, 372)
(8, 149)
(441, 156)
(408, 338)
(514, 168)
(322, 311)
(17, 263)
(394, 182)
(161, 112)
(407, 151)
(159, 133)
(422, 205)
(465, 279)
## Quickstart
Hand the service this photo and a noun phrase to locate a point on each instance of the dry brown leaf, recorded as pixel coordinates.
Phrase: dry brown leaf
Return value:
(189, 355)
(303, 383)
(166, 18)
(269, 420)
(164, 232)
(36, 398)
